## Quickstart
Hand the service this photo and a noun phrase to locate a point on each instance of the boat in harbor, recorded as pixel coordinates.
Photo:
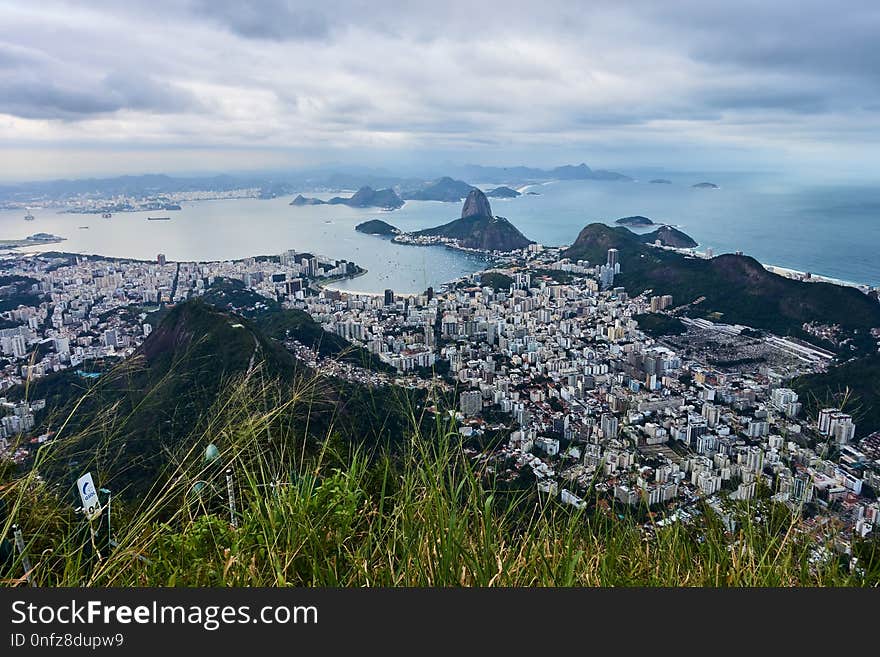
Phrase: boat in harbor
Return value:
(158, 218)
(106, 215)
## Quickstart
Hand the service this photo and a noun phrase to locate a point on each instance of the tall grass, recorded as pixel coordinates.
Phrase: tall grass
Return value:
(330, 511)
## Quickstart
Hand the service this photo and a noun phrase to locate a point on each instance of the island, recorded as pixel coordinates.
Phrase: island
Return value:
(583, 172)
(305, 200)
(443, 189)
(30, 240)
(377, 227)
(502, 192)
(705, 185)
(635, 220)
(477, 229)
(365, 197)
(660, 181)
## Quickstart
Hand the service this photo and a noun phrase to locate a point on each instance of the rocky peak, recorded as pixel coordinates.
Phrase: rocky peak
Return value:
(476, 205)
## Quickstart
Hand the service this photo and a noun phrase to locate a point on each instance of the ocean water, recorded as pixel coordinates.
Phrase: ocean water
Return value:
(831, 230)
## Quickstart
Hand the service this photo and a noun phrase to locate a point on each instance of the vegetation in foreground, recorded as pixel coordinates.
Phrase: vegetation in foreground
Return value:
(324, 510)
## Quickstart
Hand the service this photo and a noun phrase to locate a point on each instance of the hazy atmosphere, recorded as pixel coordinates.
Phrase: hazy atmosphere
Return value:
(92, 88)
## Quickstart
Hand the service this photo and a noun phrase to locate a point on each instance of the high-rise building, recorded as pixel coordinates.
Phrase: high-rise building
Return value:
(825, 419)
(111, 339)
(160, 259)
(609, 425)
(471, 402)
(842, 428)
(801, 488)
(781, 397)
(613, 258)
(389, 297)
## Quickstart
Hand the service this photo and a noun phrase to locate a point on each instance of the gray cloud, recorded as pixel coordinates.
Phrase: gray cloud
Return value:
(778, 79)
(31, 97)
(266, 19)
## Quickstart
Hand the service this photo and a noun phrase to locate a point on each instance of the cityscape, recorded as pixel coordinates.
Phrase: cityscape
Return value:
(348, 311)
(597, 405)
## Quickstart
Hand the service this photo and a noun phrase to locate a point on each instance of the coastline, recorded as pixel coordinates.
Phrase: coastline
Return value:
(26, 242)
(814, 277)
(787, 272)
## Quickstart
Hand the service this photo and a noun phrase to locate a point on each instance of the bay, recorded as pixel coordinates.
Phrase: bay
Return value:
(830, 230)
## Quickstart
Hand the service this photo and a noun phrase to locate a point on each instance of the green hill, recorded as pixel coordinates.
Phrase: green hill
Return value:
(139, 415)
(377, 227)
(669, 236)
(736, 289)
(280, 323)
(853, 386)
(496, 280)
(145, 414)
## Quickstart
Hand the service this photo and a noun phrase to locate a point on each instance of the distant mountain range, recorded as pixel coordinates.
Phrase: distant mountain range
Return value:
(450, 187)
(522, 174)
(442, 189)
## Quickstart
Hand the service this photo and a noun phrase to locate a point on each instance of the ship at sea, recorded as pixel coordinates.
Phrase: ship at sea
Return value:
(29, 217)
(158, 218)
(106, 215)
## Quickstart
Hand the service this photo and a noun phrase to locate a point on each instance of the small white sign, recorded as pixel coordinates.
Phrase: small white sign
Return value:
(89, 496)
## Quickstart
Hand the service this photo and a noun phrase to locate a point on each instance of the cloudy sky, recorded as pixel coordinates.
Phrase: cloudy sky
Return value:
(102, 86)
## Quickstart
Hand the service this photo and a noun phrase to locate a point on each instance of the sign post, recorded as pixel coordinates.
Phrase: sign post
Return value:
(109, 533)
(230, 491)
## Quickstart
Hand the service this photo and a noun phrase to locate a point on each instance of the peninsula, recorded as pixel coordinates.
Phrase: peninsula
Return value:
(477, 229)
(31, 240)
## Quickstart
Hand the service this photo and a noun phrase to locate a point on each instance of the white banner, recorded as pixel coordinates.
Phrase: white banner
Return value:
(89, 496)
